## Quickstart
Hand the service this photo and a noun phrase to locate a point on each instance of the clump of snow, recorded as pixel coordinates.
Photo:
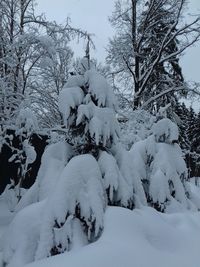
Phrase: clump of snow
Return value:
(165, 131)
(168, 161)
(159, 187)
(79, 194)
(69, 98)
(87, 110)
(26, 121)
(102, 123)
(53, 161)
(29, 152)
(110, 174)
(131, 190)
(99, 89)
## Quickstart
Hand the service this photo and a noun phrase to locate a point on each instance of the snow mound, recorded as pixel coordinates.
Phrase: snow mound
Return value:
(19, 244)
(165, 240)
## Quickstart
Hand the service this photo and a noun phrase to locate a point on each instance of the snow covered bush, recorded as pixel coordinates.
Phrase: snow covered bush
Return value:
(158, 159)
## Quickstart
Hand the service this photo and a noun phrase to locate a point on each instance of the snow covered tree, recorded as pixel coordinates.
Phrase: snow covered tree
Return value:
(87, 104)
(34, 52)
(145, 52)
(80, 175)
(160, 163)
(53, 70)
(181, 113)
(194, 136)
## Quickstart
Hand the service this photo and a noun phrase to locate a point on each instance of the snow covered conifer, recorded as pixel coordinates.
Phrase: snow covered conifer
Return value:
(79, 177)
(74, 213)
(88, 107)
(165, 177)
(87, 104)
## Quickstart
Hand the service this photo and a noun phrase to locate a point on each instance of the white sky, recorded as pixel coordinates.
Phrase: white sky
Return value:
(89, 15)
(92, 16)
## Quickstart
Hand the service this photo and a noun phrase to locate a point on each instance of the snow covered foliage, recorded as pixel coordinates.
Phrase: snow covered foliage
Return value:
(54, 160)
(87, 103)
(135, 126)
(122, 185)
(159, 162)
(74, 96)
(72, 186)
(79, 176)
(165, 131)
(69, 216)
(78, 198)
(26, 121)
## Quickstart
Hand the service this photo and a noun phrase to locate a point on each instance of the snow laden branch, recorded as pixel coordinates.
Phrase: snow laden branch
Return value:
(195, 91)
(150, 39)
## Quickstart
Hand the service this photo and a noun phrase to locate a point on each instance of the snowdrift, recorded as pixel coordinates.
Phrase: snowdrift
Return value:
(141, 238)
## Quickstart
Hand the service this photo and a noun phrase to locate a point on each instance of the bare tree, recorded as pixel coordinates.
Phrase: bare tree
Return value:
(144, 54)
(26, 41)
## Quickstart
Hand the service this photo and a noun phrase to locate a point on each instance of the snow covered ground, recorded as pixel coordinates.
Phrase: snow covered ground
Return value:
(139, 238)
(5, 219)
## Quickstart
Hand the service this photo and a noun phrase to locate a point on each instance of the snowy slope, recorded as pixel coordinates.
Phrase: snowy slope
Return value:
(139, 238)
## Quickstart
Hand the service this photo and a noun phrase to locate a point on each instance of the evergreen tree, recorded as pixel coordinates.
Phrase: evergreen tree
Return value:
(165, 175)
(79, 176)
(181, 112)
(87, 104)
(196, 146)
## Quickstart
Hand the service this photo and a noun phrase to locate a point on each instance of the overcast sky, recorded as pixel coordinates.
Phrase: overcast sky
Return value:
(92, 16)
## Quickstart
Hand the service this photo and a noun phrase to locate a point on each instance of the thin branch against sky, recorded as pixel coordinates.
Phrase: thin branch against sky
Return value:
(92, 15)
